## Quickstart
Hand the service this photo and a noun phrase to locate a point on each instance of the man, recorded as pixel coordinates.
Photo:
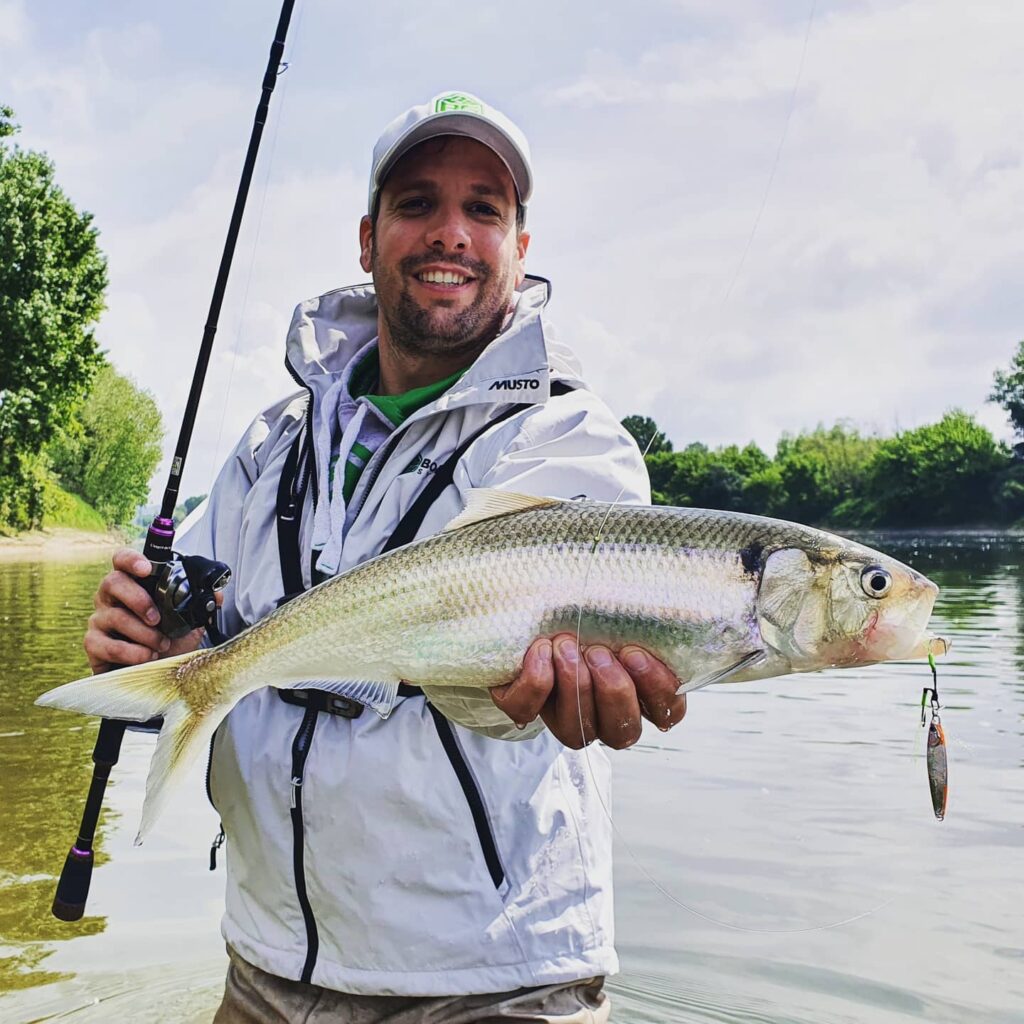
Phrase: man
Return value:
(407, 869)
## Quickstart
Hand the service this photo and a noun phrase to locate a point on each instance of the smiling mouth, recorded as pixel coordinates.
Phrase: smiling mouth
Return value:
(444, 278)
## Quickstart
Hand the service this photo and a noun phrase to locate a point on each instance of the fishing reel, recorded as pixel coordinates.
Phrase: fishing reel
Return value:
(184, 589)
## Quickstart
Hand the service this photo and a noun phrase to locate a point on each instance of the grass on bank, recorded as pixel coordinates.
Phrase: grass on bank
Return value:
(69, 510)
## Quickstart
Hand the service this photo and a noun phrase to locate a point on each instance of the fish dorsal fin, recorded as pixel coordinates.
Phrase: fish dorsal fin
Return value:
(489, 503)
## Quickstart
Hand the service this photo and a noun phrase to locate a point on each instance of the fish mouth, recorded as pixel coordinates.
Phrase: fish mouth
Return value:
(929, 645)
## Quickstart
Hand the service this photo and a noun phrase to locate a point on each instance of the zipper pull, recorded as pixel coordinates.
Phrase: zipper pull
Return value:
(296, 782)
(218, 842)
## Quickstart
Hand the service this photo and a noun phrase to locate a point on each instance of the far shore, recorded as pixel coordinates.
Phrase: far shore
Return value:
(59, 544)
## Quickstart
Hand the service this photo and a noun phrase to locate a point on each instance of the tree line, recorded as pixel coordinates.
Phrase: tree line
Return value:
(69, 422)
(949, 473)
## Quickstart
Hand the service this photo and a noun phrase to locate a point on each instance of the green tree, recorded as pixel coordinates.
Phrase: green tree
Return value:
(52, 279)
(821, 470)
(1008, 390)
(193, 502)
(941, 474)
(112, 448)
(701, 478)
(647, 435)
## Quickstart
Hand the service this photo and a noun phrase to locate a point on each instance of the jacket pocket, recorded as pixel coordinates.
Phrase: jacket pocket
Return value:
(477, 809)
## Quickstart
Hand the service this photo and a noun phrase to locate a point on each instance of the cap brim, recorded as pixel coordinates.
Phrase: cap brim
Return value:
(467, 125)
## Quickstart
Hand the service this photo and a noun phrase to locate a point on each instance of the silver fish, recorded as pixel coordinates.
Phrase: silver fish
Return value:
(719, 596)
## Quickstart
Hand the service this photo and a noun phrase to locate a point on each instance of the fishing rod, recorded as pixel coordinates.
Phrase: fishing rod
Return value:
(183, 588)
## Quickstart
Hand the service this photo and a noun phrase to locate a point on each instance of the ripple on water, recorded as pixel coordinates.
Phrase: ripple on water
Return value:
(159, 994)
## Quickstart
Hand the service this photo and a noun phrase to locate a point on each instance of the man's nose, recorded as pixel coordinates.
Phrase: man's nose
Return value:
(448, 232)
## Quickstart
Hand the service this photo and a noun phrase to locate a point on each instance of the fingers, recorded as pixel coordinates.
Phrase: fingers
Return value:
(615, 699)
(523, 698)
(121, 590)
(106, 652)
(570, 713)
(129, 626)
(132, 562)
(186, 643)
(599, 696)
(656, 687)
(120, 630)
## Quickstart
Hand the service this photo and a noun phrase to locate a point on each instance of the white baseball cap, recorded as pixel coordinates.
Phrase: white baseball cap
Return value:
(453, 113)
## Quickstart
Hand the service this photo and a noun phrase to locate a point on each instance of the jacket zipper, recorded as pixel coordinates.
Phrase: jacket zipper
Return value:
(309, 462)
(300, 751)
(209, 771)
(469, 788)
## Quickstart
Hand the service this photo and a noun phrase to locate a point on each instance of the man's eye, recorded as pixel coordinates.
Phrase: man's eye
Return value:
(413, 205)
(485, 208)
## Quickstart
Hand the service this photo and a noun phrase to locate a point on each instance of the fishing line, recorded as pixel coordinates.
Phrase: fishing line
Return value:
(282, 103)
(771, 173)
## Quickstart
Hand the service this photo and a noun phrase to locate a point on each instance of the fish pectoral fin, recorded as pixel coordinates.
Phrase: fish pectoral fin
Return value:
(490, 503)
(379, 694)
(753, 660)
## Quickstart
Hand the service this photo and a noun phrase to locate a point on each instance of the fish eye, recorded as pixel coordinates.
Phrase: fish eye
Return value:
(875, 581)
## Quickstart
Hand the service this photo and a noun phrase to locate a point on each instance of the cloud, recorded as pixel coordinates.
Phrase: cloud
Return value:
(880, 284)
(14, 25)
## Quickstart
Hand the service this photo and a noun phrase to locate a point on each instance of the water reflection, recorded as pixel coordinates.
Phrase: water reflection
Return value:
(45, 759)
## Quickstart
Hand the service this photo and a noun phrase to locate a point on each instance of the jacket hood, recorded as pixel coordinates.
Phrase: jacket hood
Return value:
(519, 364)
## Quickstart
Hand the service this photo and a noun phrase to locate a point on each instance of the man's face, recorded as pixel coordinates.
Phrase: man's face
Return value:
(447, 210)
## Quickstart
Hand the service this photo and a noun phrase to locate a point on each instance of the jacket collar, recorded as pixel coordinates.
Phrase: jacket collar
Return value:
(518, 366)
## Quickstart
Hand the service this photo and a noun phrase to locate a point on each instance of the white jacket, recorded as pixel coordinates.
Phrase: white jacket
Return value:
(422, 858)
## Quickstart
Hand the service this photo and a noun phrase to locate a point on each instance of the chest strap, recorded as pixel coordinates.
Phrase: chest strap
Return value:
(409, 525)
(291, 494)
(294, 482)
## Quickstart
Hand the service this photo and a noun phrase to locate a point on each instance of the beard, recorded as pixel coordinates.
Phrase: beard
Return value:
(439, 330)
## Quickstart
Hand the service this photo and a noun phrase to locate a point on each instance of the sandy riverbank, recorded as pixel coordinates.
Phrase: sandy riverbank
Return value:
(59, 544)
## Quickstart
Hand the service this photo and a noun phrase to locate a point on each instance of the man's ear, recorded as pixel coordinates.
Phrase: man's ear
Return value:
(366, 244)
(522, 245)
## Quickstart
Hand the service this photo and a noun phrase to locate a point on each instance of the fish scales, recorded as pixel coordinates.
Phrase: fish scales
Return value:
(460, 608)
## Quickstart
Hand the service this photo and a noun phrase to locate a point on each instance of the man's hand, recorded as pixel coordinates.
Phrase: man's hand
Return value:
(614, 692)
(123, 629)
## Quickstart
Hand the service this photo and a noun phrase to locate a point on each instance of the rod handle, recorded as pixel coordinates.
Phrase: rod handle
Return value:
(73, 888)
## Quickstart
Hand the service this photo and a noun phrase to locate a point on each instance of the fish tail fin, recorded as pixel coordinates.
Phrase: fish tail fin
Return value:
(134, 693)
(138, 693)
(183, 737)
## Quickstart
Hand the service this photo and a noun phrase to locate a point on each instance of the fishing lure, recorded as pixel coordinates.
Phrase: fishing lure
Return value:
(938, 771)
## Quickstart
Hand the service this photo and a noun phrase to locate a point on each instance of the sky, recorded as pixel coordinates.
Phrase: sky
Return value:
(757, 216)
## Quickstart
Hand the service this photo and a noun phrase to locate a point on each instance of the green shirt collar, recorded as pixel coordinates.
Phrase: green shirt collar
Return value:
(397, 408)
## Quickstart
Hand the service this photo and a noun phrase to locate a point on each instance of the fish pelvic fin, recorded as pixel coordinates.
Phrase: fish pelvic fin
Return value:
(379, 695)
(134, 693)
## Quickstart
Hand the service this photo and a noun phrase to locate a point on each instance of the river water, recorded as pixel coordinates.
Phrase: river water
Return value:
(777, 855)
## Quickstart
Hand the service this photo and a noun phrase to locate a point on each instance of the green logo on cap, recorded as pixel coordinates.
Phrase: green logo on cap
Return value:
(458, 101)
